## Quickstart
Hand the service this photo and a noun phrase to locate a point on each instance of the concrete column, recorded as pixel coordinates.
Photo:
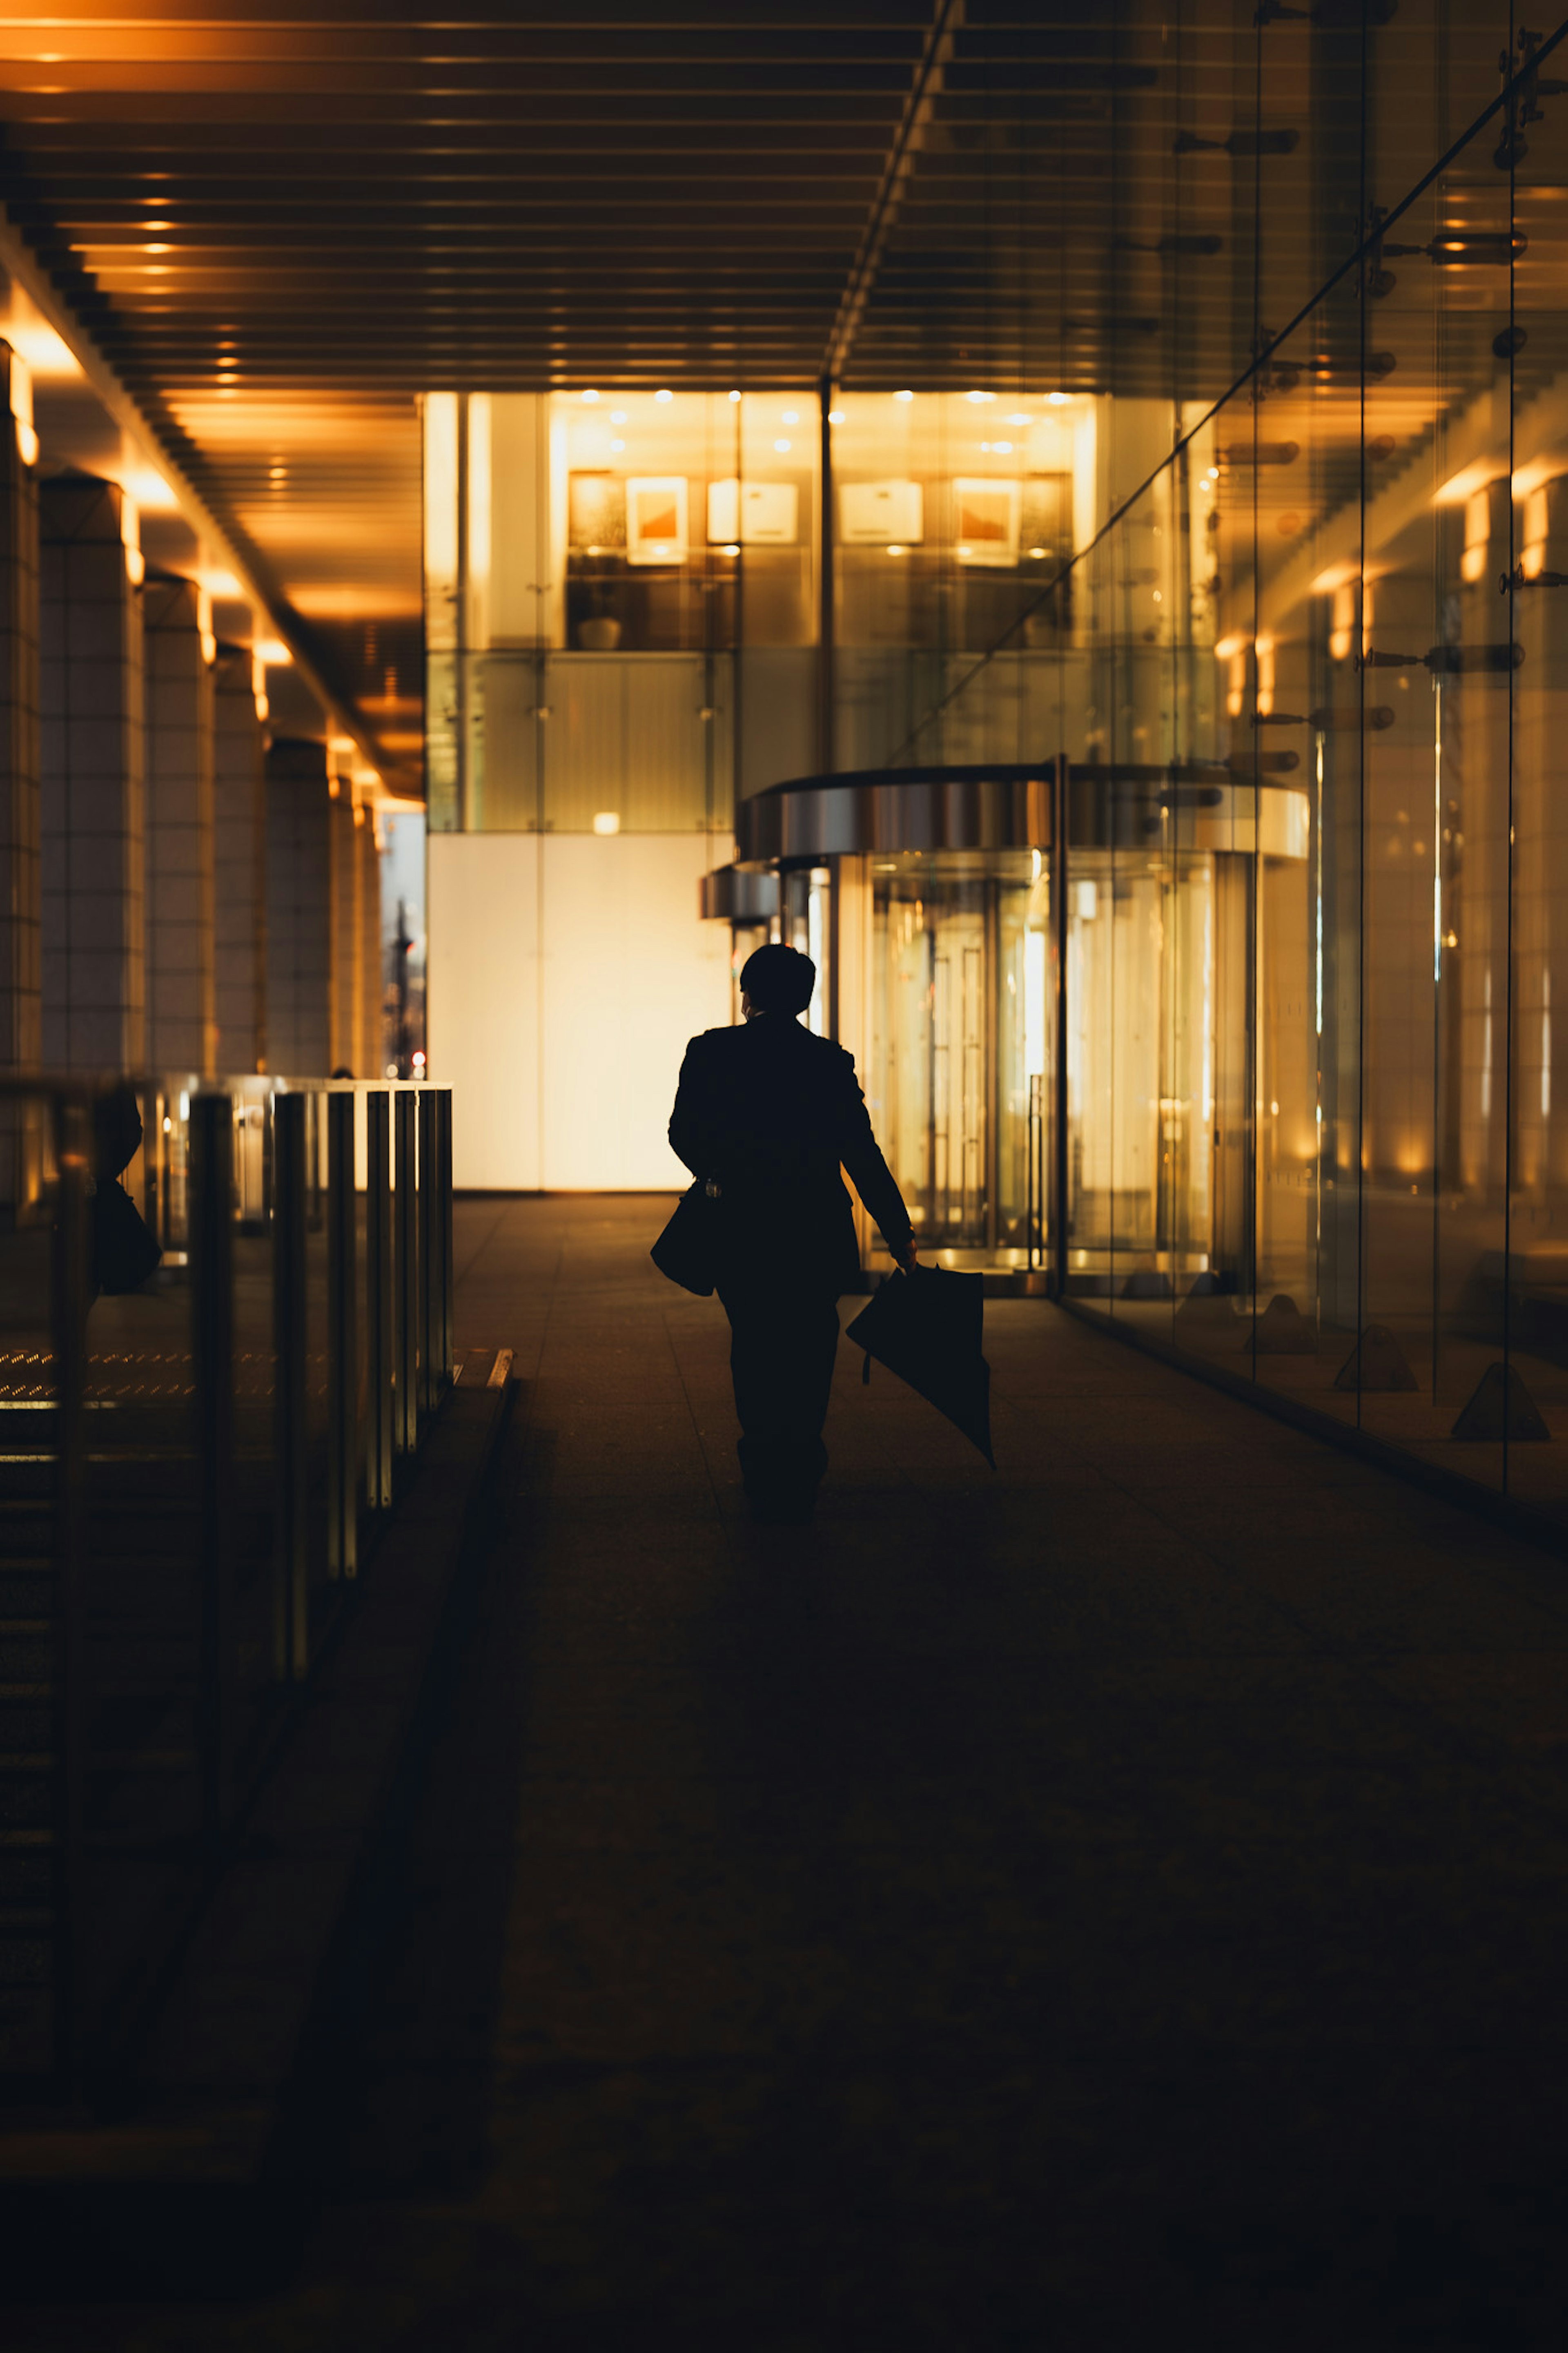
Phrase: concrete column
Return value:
(181, 1016)
(21, 1031)
(298, 909)
(347, 966)
(94, 930)
(371, 1061)
(240, 864)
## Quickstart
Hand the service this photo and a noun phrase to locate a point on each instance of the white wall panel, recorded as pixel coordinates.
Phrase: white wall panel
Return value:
(482, 1016)
(569, 1089)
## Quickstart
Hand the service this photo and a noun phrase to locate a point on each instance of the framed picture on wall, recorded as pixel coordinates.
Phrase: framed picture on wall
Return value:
(656, 519)
(881, 514)
(595, 513)
(986, 520)
(753, 514)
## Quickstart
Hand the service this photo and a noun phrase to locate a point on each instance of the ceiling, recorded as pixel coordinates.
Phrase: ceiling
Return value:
(279, 227)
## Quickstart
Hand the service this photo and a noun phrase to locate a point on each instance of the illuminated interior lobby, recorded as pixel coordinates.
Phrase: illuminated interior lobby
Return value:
(1059, 514)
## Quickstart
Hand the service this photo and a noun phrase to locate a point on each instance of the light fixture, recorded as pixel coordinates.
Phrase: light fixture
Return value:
(963, 551)
(903, 395)
(590, 395)
(1019, 417)
(607, 821)
(1037, 553)
(836, 417)
(734, 395)
(790, 416)
(1002, 448)
(617, 416)
(977, 397)
(782, 447)
(1058, 399)
(732, 548)
(617, 443)
(895, 551)
(664, 396)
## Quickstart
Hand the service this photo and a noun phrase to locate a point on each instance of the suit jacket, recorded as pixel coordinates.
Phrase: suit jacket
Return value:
(774, 1111)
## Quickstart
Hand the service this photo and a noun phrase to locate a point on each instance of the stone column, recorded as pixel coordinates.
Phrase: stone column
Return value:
(21, 1032)
(240, 864)
(348, 971)
(93, 800)
(182, 1019)
(298, 909)
(372, 1047)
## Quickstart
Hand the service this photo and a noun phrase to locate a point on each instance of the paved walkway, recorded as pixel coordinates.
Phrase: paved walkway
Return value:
(1119, 1902)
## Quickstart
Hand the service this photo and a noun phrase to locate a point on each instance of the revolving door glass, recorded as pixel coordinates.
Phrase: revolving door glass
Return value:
(961, 987)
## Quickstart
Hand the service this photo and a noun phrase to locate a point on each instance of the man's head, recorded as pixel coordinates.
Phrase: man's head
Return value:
(776, 979)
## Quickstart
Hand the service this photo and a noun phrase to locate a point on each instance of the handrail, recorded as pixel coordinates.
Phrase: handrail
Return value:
(193, 1470)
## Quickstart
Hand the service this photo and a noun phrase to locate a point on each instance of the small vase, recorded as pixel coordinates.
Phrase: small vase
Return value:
(601, 635)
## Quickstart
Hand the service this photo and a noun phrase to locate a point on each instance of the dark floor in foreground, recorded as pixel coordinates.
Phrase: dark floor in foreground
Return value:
(1120, 1903)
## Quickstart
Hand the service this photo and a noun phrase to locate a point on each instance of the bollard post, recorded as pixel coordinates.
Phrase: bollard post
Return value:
(405, 1275)
(210, 1229)
(69, 1304)
(380, 1322)
(1057, 1210)
(343, 1342)
(429, 1250)
(291, 1589)
(443, 1180)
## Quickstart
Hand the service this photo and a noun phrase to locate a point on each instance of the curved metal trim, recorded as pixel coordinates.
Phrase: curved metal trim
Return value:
(985, 806)
(891, 810)
(729, 895)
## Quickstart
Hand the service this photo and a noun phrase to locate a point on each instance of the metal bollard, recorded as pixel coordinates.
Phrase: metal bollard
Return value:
(380, 1322)
(291, 1589)
(429, 1253)
(406, 1276)
(70, 1309)
(343, 1342)
(210, 1228)
(443, 1180)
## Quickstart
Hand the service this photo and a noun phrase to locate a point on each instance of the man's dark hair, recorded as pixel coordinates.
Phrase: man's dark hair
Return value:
(778, 979)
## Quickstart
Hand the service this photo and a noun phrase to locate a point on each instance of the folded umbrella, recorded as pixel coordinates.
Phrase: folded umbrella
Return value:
(926, 1327)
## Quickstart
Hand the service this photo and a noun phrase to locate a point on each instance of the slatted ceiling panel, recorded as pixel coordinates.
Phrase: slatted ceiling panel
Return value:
(283, 223)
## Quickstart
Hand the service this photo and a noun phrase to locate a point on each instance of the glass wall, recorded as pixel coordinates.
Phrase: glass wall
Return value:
(1316, 865)
(621, 605)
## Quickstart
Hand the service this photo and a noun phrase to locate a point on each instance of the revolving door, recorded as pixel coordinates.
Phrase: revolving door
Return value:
(1090, 1071)
(956, 1062)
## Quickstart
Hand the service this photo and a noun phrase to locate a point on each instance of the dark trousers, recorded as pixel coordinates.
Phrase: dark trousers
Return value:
(783, 1340)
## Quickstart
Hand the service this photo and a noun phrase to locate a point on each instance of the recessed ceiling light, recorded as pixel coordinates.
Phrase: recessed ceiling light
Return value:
(664, 396)
(1002, 448)
(978, 397)
(590, 395)
(1019, 418)
(734, 395)
(790, 416)
(836, 417)
(781, 447)
(1058, 399)
(618, 444)
(617, 416)
(903, 395)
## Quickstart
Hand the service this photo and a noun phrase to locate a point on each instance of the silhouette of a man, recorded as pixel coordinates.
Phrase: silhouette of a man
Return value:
(772, 1113)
